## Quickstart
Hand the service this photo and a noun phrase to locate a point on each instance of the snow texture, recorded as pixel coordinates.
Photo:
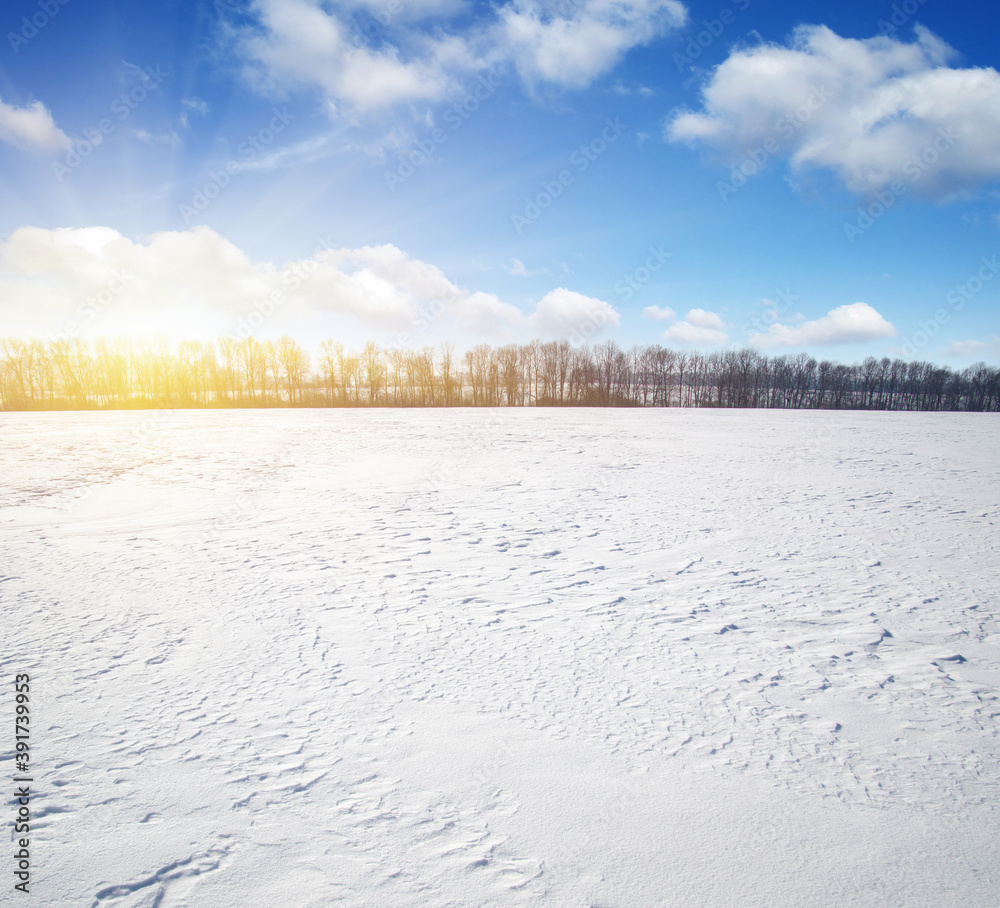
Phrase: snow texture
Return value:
(587, 658)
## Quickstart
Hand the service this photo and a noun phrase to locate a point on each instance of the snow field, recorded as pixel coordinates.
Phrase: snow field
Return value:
(582, 658)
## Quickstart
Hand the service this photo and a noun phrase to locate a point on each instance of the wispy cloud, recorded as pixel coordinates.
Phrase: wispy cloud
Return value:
(303, 152)
(159, 137)
(196, 104)
(976, 348)
(519, 269)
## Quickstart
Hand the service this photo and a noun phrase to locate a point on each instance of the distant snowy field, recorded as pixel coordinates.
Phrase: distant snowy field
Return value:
(502, 658)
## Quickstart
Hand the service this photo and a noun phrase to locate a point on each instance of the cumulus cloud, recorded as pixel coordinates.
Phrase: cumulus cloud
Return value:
(563, 313)
(308, 43)
(699, 327)
(656, 314)
(404, 288)
(102, 282)
(703, 319)
(95, 277)
(572, 44)
(31, 127)
(850, 324)
(870, 111)
(300, 43)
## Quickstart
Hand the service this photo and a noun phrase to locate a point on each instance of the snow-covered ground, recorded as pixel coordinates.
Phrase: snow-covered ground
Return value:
(518, 657)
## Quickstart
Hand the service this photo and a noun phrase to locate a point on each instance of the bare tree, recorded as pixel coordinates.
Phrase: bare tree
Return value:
(330, 355)
(294, 367)
(118, 372)
(374, 370)
(447, 377)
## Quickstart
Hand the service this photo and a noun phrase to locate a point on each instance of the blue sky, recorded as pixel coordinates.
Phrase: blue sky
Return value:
(701, 175)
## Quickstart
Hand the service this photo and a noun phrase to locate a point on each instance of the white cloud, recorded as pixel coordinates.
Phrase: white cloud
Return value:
(31, 127)
(94, 278)
(563, 312)
(703, 319)
(975, 348)
(304, 152)
(519, 269)
(313, 44)
(300, 43)
(197, 283)
(196, 104)
(965, 348)
(850, 324)
(160, 137)
(402, 287)
(698, 327)
(656, 314)
(580, 42)
(871, 111)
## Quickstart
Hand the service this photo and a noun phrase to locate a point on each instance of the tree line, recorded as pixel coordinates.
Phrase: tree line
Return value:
(118, 373)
